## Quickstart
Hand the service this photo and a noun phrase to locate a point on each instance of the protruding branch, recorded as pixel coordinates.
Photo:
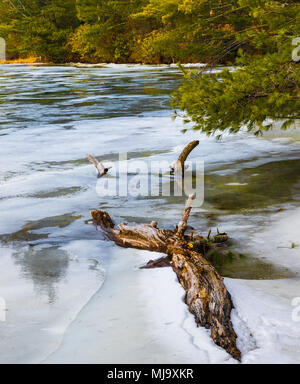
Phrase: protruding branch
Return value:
(206, 295)
(178, 167)
(99, 166)
(182, 226)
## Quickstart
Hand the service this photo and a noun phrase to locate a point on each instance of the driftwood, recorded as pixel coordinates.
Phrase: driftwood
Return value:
(99, 166)
(178, 166)
(206, 295)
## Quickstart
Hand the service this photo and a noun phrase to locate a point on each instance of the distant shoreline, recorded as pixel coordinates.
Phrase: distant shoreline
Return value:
(29, 60)
(39, 62)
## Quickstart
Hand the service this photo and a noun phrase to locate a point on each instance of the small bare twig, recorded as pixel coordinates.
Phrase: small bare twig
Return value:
(182, 226)
(99, 166)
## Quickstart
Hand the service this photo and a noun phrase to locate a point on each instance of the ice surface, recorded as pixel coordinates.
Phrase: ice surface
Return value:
(53, 263)
(43, 296)
(139, 316)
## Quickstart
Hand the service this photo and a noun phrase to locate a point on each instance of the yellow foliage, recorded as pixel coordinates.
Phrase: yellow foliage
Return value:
(28, 60)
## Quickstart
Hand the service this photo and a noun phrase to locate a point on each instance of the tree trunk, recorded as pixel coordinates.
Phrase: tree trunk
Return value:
(206, 295)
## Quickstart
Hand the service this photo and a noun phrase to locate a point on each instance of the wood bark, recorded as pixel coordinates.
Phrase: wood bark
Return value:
(178, 166)
(206, 295)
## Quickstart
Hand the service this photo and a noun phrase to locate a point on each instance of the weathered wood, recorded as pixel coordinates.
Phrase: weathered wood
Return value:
(182, 226)
(99, 166)
(178, 166)
(207, 297)
(206, 294)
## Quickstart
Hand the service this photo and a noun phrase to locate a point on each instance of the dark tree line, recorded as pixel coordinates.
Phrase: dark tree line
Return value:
(254, 35)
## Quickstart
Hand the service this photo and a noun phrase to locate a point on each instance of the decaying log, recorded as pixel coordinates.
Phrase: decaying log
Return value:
(206, 295)
(178, 167)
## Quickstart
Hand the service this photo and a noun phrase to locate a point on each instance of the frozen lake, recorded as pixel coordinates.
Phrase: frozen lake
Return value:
(59, 277)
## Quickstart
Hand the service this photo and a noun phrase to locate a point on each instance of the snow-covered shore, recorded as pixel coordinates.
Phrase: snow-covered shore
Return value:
(139, 316)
